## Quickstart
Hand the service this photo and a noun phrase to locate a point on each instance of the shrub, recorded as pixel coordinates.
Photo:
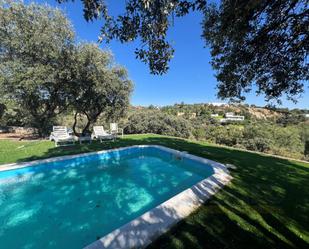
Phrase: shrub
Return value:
(287, 141)
(158, 123)
(257, 144)
(199, 133)
(257, 137)
(227, 135)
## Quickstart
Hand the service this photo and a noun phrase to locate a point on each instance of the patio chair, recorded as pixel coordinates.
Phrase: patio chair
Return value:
(61, 136)
(115, 130)
(100, 134)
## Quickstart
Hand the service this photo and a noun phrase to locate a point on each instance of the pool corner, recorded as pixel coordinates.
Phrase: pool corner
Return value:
(143, 230)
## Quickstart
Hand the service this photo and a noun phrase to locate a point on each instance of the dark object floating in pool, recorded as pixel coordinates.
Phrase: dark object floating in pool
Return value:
(178, 157)
(98, 205)
(98, 237)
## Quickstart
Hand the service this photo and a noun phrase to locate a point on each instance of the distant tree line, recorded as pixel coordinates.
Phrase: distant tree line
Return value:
(276, 134)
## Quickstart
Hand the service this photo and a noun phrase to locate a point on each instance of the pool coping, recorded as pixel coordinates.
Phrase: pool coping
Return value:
(143, 230)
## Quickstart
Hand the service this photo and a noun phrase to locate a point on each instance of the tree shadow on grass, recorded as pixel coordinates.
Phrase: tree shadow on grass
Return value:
(265, 206)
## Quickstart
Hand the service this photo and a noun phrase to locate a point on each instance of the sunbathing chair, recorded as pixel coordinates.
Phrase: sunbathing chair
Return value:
(115, 130)
(61, 136)
(100, 134)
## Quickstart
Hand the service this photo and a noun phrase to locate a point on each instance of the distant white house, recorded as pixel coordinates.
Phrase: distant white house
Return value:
(306, 115)
(214, 115)
(230, 116)
(180, 114)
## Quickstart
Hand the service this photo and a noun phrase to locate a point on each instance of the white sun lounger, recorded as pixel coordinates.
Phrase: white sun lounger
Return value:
(100, 134)
(115, 130)
(61, 136)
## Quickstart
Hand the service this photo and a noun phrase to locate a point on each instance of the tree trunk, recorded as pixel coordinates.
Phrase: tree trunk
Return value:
(86, 128)
(42, 125)
(306, 152)
(91, 119)
(75, 123)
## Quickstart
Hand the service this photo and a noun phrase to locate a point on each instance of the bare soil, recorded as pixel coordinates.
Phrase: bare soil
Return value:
(18, 136)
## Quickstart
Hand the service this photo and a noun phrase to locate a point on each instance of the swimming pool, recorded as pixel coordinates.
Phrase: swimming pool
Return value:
(72, 201)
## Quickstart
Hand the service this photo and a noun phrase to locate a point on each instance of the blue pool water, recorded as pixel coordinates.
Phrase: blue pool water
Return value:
(82, 199)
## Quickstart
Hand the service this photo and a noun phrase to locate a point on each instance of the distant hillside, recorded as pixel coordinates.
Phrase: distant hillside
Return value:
(250, 112)
(262, 113)
(276, 131)
(254, 112)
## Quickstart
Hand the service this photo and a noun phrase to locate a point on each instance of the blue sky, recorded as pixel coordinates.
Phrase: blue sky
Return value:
(190, 78)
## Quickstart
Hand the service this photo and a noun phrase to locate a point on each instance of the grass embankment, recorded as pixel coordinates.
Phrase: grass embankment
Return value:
(265, 206)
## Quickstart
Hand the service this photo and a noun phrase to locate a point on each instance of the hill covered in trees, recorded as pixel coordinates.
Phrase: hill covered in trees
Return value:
(277, 131)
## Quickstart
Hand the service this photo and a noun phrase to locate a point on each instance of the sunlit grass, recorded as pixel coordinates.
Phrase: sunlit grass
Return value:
(12, 151)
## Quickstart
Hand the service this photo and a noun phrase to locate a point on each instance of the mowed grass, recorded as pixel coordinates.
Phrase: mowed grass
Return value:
(15, 151)
(265, 206)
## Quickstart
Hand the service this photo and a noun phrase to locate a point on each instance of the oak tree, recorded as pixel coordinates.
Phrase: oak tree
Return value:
(257, 44)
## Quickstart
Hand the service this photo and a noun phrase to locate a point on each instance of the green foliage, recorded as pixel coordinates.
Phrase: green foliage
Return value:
(99, 87)
(252, 42)
(291, 119)
(287, 141)
(14, 114)
(157, 123)
(228, 135)
(259, 42)
(261, 144)
(304, 131)
(147, 21)
(36, 43)
(199, 133)
(257, 137)
(44, 73)
(263, 135)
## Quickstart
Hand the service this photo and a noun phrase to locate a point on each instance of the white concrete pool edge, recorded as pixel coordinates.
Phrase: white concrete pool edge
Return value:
(11, 166)
(141, 231)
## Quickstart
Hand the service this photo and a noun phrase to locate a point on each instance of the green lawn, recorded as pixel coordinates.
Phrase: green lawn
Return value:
(265, 206)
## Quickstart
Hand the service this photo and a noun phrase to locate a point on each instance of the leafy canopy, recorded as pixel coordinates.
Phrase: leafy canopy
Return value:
(146, 20)
(100, 87)
(261, 42)
(36, 43)
(45, 73)
(253, 42)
